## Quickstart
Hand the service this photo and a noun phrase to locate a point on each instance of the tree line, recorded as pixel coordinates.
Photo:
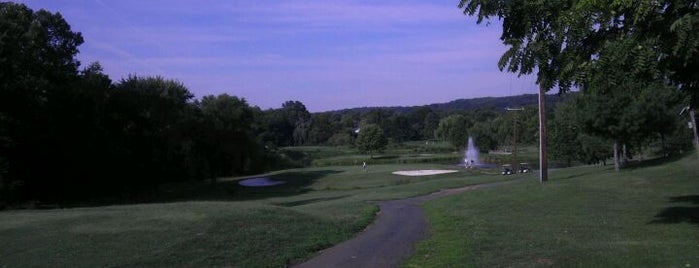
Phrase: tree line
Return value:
(617, 53)
(69, 133)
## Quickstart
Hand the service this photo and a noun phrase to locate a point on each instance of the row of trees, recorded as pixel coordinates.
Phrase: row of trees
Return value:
(590, 127)
(584, 127)
(608, 49)
(292, 125)
(70, 134)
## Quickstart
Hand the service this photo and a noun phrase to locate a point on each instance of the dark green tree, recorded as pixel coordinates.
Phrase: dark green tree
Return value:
(144, 124)
(430, 125)
(624, 101)
(371, 139)
(230, 146)
(37, 50)
(399, 129)
(322, 127)
(286, 126)
(564, 133)
(594, 149)
(454, 129)
(77, 113)
(482, 133)
(565, 41)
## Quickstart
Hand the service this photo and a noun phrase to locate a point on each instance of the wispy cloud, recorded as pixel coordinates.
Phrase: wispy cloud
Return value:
(328, 54)
(347, 13)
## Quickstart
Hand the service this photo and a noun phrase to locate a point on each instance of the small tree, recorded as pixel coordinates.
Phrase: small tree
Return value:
(371, 139)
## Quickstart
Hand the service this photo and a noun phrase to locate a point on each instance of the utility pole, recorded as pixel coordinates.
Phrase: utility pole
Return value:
(543, 165)
(515, 165)
(694, 128)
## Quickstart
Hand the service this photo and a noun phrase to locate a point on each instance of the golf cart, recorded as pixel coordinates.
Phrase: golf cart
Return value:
(524, 168)
(507, 170)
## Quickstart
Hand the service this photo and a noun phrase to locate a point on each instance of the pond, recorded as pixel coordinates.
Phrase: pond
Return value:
(260, 182)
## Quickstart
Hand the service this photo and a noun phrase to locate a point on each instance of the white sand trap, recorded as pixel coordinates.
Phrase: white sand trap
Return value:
(260, 182)
(424, 172)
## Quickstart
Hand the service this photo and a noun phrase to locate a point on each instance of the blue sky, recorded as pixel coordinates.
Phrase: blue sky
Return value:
(327, 54)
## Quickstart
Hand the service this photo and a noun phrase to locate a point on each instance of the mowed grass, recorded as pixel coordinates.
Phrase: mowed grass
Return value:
(197, 225)
(192, 234)
(583, 217)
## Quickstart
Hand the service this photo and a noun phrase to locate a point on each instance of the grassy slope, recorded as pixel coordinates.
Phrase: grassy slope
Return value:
(178, 234)
(583, 217)
(227, 225)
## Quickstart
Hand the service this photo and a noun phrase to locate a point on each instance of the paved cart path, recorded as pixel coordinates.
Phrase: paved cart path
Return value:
(391, 238)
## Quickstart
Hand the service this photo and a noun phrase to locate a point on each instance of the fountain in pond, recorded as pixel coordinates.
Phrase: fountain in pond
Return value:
(471, 155)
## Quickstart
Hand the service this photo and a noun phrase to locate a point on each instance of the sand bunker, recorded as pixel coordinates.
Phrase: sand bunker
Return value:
(424, 172)
(260, 182)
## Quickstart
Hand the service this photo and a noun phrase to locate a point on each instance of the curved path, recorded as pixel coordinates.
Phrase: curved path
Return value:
(391, 238)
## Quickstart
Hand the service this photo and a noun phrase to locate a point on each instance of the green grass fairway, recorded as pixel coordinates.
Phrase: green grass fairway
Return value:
(408, 153)
(191, 234)
(196, 225)
(584, 217)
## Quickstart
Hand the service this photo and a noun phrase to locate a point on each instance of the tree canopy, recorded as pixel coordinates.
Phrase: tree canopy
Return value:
(69, 133)
(563, 40)
(601, 47)
(454, 128)
(371, 139)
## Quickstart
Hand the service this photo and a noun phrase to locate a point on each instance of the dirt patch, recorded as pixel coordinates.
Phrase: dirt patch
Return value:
(544, 262)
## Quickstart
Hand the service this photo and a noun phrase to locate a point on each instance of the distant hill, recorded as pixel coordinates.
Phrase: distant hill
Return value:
(494, 102)
(470, 104)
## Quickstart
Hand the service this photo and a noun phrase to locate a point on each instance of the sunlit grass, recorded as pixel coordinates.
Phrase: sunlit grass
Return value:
(221, 225)
(586, 216)
(583, 217)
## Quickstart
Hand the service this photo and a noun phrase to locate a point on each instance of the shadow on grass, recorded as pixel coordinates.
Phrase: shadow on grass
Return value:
(310, 201)
(579, 173)
(654, 162)
(380, 157)
(296, 182)
(680, 214)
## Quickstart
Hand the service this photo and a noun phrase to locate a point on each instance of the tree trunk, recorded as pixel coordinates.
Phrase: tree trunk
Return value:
(664, 147)
(694, 128)
(624, 156)
(212, 181)
(543, 165)
(616, 156)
